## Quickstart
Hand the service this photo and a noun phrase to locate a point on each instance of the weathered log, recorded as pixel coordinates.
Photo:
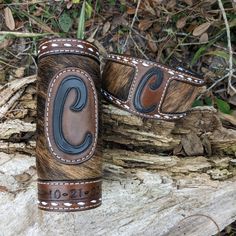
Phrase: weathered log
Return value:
(151, 184)
(136, 201)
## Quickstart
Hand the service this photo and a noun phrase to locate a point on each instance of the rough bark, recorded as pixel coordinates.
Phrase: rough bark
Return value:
(160, 178)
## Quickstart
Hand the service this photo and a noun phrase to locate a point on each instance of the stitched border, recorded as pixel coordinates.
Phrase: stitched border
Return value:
(85, 47)
(67, 51)
(148, 64)
(69, 183)
(164, 116)
(68, 40)
(81, 159)
(70, 208)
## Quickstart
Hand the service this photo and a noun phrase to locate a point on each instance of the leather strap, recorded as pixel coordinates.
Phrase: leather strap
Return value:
(69, 195)
(67, 46)
(148, 87)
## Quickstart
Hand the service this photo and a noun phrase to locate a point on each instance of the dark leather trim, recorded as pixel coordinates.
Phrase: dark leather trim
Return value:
(69, 195)
(67, 46)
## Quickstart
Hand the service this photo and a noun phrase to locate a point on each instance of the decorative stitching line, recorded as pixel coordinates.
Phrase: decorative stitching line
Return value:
(96, 115)
(70, 208)
(164, 116)
(70, 183)
(64, 43)
(56, 203)
(68, 40)
(148, 63)
(68, 51)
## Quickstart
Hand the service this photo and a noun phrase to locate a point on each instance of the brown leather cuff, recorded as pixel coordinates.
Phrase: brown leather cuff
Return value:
(69, 195)
(69, 143)
(149, 89)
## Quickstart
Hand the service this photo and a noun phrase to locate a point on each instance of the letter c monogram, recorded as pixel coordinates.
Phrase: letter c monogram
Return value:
(153, 86)
(67, 84)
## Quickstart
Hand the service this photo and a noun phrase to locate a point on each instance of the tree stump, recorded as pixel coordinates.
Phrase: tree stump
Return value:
(160, 178)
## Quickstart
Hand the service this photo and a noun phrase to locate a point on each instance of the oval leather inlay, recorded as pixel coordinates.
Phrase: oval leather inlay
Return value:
(150, 83)
(71, 116)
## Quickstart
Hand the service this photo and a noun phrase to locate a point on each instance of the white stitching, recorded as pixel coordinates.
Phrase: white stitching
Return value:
(68, 40)
(152, 64)
(96, 115)
(70, 183)
(68, 50)
(70, 208)
(167, 115)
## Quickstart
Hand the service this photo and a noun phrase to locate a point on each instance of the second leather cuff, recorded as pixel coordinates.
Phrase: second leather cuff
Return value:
(149, 89)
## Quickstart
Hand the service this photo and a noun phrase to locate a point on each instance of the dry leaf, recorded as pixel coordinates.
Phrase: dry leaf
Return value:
(24, 177)
(106, 27)
(19, 72)
(201, 29)
(9, 20)
(189, 2)
(171, 4)
(144, 25)
(43, 26)
(232, 100)
(203, 38)
(38, 12)
(146, 5)
(181, 22)
(131, 11)
(152, 45)
(5, 43)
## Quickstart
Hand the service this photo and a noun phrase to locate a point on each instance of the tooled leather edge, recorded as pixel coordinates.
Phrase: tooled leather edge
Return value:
(95, 109)
(137, 63)
(69, 195)
(64, 46)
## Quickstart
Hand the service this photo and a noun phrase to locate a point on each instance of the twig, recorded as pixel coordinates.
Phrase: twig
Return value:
(25, 35)
(8, 104)
(219, 80)
(230, 86)
(10, 88)
(132, 25)
(139, 49)
(151, 40)
(171, 53)
(23, 3)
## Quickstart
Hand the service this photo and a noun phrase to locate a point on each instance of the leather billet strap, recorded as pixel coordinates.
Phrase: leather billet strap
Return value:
(67, 46)
(68, 145)
(69, 195)
(149, 89)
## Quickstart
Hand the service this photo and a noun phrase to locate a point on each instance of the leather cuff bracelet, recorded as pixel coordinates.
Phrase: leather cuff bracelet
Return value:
(68, 147)
(149, 89)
